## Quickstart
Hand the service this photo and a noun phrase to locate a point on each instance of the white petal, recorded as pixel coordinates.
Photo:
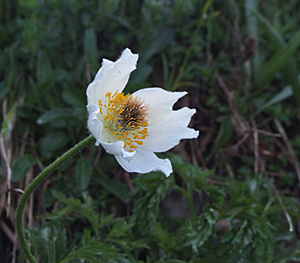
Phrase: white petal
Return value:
(117, 149)
(160, 102)
(95, 126)
(112, 76)
(167, 133)
(145, 162)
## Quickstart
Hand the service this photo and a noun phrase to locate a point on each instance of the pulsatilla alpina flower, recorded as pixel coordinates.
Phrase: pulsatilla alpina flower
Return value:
(133, 127)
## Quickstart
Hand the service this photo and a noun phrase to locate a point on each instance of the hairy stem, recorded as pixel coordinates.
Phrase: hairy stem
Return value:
(32, 187)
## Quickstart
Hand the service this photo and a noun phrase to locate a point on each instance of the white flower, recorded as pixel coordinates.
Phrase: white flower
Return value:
(133, 127)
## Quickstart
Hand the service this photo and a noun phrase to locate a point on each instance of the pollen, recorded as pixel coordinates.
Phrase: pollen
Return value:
(125, 118)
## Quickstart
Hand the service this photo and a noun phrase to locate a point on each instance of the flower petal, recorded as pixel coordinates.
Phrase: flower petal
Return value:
(117, 149)
(95, 126)
(112, 76)
(165, 126)
(145, 162)
(167, 133)
(160, 102)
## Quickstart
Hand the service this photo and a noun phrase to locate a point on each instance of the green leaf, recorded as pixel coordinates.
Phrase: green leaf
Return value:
(64, 113)
(150, 189)
(90, 49)
(21, 167)
(155, 43)
(163, 235)
(8, 122)
(282, 95)
(193, 175)
(75, 98)
(49, 79)
(205, 228)
(49, 242)
(120, 190)
(253, 31)
(83, 174)
(43, 66)
(224, 135)
(107, 220)
(3, 90)
(54, 141)
(141, 74)
(251, 20)
(96, 252)
(206, 7)
(271, 31)
(119, 229)
(290, 70)
(277, 62)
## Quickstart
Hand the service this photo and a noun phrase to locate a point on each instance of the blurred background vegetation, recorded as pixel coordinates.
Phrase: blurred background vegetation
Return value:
(234, 193)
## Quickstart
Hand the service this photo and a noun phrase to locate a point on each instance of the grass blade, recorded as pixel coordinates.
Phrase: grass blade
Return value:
(277, 41)
(277, 62)
(282, 95)
(253, 31)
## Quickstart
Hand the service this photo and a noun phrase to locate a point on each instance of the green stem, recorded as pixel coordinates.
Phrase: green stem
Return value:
(189, 196)
(192, 208)
(34, 184)
(189, 51)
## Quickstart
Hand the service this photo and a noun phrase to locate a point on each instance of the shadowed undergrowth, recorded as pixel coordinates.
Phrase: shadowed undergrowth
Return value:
(234, 193)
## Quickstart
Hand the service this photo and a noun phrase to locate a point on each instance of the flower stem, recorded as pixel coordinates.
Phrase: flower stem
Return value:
(32, 187)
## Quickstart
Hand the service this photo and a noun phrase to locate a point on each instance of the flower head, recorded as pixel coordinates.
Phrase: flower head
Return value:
(133, 127)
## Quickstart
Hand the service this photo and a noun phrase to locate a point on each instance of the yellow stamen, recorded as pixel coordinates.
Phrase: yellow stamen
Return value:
(126, 118)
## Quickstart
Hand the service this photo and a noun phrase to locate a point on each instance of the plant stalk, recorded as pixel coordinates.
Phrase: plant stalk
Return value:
(33, 185)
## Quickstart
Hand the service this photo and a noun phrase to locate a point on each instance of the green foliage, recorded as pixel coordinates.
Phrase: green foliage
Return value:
(8, 123)
(232, 197)
(239, 232)
(204, 229)
(150, 191)
(21, 167)
(278, 44)
(83, 174)
(51, 246)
